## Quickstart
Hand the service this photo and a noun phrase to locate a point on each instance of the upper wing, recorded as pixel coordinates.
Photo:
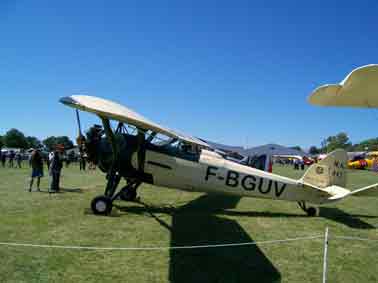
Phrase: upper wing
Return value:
(114, 111)
(358, 89)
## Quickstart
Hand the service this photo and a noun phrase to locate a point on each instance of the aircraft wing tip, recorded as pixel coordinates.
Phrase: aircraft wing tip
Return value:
(69, 101)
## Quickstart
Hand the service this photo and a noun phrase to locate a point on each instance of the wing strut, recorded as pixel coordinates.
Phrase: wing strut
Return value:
(113, 176)
(110, 136)
(80, 140)
(141, 150)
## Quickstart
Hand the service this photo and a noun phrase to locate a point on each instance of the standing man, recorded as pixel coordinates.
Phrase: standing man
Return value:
(19, 159)
(30, 159)
(11, 159)
(296, 164)
(56, 166)
(49, 159)
(83, 162)
(3, 159)
(302, 164)
(36, 162)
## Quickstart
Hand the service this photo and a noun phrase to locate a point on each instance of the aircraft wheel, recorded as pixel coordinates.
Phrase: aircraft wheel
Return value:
(311, 211)
(102, 205)
(128, 195)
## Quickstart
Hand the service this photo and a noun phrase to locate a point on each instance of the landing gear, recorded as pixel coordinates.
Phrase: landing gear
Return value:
(102, 205)
(129, 193)
(311, 211)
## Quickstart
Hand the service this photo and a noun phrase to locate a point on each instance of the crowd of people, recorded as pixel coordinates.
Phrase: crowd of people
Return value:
(11, 159)
(37, 160)
(297, 163)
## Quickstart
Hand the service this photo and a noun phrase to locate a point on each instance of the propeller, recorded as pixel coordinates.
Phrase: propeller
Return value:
(80, 139)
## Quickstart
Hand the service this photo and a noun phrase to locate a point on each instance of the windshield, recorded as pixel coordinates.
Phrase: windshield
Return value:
(174, 147)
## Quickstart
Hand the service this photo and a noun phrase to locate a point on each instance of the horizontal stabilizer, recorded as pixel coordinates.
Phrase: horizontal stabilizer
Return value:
(340, 193)
(370, 191)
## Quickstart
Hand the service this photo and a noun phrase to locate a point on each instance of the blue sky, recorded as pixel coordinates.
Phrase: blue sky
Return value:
(236, 72)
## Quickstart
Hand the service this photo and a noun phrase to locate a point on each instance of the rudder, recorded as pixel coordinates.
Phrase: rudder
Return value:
(328, 172)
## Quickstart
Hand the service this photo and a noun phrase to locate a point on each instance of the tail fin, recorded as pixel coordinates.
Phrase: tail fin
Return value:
(328, 172)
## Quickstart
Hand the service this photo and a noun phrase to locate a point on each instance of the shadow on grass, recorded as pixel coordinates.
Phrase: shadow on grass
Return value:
(171, 210)
(196, 224)
(335, 214)
(66, 190)
(243, 264)
(63, 190)
(342, 217)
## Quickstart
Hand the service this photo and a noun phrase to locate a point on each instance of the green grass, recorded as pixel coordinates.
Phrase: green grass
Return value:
(174, 218)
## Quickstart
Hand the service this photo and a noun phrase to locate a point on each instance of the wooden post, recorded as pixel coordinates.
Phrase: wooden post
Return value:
(325, 256)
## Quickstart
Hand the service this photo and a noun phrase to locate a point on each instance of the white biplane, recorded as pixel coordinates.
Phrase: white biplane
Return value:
(188, 163)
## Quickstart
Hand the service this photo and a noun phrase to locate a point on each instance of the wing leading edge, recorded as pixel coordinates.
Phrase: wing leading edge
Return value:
(358, 89)
(114, 111)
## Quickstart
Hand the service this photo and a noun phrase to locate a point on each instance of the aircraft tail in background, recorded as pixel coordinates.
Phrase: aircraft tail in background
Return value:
(331, 171)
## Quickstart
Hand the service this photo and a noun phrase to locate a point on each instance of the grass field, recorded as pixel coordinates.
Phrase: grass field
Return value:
(173, 218)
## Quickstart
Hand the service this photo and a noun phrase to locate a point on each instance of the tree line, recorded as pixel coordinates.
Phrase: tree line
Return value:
(16, 139)
(342, 140)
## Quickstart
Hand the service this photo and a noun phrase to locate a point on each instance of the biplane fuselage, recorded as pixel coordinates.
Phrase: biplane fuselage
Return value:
(211, 173)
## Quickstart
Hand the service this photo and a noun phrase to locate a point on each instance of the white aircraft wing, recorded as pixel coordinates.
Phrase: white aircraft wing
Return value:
(358, 89)
(114, 111)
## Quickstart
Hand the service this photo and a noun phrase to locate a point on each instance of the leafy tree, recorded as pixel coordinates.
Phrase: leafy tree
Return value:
(33, 142)
(341, 140)
(1, 142)
(68, 144)
(16, 139)
(314, 150)
(51, 142)
(370, 145)
(323, 146)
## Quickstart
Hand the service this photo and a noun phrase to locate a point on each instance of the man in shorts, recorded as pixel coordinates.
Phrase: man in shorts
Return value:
(36, 162)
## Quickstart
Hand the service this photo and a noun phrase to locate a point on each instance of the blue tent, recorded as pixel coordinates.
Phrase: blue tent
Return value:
(226, 148)
(272, 149)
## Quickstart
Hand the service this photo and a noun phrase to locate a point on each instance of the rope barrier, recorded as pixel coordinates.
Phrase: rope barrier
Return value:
(158, 248)
(26, 245)
(325, 237)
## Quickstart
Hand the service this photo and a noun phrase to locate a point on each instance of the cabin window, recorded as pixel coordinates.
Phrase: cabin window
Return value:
(176, 148)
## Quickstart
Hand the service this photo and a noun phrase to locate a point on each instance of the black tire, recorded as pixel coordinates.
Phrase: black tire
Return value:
(102, 205)
(311, 211)
(128, 195)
